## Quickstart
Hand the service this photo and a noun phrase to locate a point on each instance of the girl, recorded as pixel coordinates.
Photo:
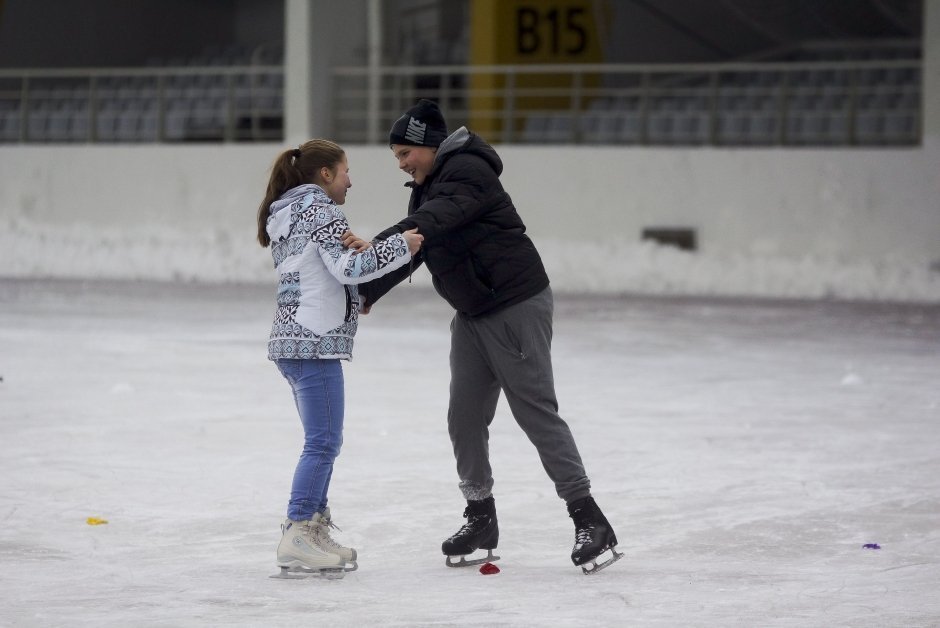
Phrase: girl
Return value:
(314, 327)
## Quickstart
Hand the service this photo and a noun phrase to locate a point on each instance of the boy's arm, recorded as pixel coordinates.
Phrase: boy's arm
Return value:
(372, 291)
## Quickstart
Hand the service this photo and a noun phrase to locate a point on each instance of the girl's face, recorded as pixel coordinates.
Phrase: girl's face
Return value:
(415, 160)
(336, 182)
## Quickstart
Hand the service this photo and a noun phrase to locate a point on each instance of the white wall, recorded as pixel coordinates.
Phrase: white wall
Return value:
(852, 204)
(765, 217)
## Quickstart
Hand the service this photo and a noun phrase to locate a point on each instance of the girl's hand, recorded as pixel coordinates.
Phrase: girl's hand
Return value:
(354, 242)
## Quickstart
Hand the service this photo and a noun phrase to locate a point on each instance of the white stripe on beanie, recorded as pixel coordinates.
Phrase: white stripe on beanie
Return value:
(415, 131)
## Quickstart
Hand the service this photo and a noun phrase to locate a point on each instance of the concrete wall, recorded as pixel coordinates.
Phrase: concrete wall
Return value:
(162, 211)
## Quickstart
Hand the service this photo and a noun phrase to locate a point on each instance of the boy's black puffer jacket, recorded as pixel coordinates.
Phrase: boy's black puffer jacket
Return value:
(475, 244)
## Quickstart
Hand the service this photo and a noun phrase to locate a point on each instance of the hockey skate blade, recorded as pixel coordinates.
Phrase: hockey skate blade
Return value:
(463, 562)
(595, 566)
(296, 573)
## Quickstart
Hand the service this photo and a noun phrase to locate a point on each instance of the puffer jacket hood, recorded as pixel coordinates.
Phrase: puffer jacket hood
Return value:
(461, 141)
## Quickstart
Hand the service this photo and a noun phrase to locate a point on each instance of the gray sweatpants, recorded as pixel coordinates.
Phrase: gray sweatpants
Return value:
(509, 351)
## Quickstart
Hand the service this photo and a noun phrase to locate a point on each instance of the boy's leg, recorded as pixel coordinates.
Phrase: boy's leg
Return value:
(518, 342)
(474, 393)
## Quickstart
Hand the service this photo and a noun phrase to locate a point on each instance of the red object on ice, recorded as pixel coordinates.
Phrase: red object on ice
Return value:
(488, 568)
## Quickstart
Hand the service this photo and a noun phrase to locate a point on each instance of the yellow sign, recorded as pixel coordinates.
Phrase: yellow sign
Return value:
(527, 31)
(522, 32)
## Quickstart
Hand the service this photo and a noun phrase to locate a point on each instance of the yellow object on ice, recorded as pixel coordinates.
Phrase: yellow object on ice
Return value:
(95, 521)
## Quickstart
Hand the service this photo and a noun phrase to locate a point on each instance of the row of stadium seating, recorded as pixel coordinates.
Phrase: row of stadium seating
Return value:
(725, 128)
(199, 102)
(881, 115)
(195, 107)
(864, 105)
(212, 118)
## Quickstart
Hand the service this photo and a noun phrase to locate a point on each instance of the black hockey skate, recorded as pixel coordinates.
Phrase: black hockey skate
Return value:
(592, 537)
(480, 532)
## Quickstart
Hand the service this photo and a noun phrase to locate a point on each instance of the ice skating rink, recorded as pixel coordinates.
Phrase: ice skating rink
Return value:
(745, 452)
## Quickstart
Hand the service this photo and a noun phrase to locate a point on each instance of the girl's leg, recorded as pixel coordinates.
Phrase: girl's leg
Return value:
(318, 393)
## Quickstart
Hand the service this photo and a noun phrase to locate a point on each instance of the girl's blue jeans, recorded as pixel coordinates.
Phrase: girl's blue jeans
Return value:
(318, 393)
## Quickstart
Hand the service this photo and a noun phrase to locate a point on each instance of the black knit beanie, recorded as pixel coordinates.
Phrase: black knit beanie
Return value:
(422, 125)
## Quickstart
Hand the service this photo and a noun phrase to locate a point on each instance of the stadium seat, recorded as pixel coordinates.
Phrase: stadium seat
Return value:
(37, 125)
(629, 128)
(58, 126)
(10, 125)
(79, 123)
(900, 127)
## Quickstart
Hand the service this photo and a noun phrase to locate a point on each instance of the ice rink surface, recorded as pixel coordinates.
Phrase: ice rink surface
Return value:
(745, 452)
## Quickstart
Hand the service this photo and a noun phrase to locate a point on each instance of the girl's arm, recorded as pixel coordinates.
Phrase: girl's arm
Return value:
(350, 266)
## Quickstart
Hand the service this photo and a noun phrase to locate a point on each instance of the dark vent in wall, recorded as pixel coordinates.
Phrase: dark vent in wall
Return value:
(679, 237)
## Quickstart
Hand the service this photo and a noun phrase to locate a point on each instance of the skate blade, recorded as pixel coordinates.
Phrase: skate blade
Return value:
(592, 567)
(299, 573)
(463, 562)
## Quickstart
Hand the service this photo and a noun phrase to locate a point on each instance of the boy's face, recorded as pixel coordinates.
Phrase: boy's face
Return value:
(415, 160)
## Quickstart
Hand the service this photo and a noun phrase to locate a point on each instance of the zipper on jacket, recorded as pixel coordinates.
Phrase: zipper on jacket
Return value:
(348, 304)
(482, 276)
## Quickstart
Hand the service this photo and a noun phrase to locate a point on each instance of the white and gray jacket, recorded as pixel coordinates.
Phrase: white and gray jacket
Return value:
(317, 299)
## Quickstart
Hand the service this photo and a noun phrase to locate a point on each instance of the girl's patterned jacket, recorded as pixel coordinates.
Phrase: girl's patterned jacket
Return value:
(317, 299)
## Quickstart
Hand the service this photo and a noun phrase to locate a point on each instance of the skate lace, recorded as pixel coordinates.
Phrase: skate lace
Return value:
(329, 524)
(584, 527)
(309, 532)
(323, 533)
(583, 534)
(308, 529)
(471, 522)
(465, 529)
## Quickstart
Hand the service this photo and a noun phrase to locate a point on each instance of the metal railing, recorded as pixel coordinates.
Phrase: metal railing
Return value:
(758, 103)
(806, 103)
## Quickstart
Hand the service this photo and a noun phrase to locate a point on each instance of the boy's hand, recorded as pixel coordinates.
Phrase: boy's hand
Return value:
(414, 240)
